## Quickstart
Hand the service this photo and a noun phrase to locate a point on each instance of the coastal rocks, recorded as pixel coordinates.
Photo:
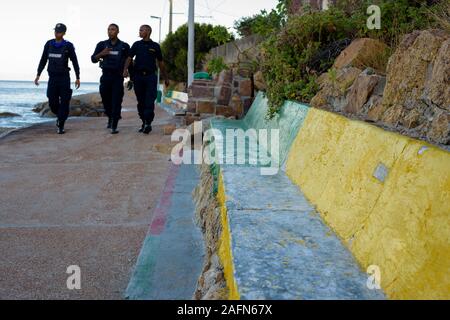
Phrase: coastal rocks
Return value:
(353, 86)
(361, 91)
(87, 105)
(417, 94)
(412, 98)
(363, 53)
(334, 87)
(9, 115)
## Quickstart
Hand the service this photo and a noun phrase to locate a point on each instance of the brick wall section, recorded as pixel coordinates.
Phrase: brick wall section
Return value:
(228, 95)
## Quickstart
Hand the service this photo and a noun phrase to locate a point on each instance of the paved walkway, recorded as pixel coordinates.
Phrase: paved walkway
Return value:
(171, 259)
(86, 199)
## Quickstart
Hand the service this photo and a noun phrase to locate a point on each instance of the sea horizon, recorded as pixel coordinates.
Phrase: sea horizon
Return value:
(46, 81)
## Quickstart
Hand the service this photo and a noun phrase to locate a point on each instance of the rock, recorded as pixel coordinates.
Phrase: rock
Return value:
(437, 88)
(410, 69)
(440, 128)
(394, 115)
(363, 53)
(169, 129)
(9, 115)
(320, 101)
(334, 86)
(360, 93)
(412, 99)
(412, 119)
(417, 93)
(76, 112)
(260, 83)
(87, 105)
(375, 109)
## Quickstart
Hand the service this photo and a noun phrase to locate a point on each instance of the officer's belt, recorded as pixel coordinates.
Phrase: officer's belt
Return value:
(112, 72)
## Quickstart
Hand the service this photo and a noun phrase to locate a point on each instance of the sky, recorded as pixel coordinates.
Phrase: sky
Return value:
(26, 25)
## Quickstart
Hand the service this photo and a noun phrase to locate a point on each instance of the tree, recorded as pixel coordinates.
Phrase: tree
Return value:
(175, 46)
(263, 23)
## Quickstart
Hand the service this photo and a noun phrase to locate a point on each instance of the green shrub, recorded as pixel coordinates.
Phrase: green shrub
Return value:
(175, 46)
(286, 57)
(293, 58)
(264, 23)
(216, 66)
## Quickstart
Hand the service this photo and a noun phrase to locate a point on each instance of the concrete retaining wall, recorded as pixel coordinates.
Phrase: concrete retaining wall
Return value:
(387, 196)
(230, 53)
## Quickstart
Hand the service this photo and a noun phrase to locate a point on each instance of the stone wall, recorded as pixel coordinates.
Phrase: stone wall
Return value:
(230, 95)
(412, 97)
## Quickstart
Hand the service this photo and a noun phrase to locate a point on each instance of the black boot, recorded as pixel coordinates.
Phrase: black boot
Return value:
(114, 125)
(60, 125)
(148, 127)
(143, 127)
(110, 123)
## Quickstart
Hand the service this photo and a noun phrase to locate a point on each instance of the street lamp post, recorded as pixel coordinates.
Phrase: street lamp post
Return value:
(159, 71)
(191, 45)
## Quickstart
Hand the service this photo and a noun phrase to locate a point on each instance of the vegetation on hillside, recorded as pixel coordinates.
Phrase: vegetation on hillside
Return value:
(307, 45)
(175, 48)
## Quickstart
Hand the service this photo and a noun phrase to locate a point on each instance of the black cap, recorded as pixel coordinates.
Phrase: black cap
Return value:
(60, 28)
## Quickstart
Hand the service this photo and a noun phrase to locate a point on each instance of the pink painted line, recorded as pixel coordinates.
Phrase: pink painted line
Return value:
(160, 215)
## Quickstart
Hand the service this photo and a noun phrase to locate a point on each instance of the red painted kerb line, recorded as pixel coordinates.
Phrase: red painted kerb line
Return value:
(161, 212)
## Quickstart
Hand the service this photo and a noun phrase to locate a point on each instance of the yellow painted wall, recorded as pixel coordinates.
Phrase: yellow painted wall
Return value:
(401, 225)
(225, 252)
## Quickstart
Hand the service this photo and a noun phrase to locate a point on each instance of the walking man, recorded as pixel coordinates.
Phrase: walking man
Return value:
(112, 55)
(147, 54)
(58, 52)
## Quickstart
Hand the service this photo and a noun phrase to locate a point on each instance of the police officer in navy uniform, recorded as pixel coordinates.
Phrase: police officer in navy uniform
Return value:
(112, 55)
(58, 52)
(147, 54)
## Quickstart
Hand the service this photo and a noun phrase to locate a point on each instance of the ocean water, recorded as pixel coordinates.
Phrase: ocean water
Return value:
(20, 97)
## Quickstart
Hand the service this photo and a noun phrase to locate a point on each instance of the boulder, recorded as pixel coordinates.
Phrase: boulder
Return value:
(9, 115)
(360, 92)
(364, 53)
(334, 86)
(87, 105)
(412, 98)
(417, 93)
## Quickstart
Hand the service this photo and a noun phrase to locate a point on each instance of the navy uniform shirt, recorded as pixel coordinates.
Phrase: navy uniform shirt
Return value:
(58, 55)
(146, 53)
(115, 61)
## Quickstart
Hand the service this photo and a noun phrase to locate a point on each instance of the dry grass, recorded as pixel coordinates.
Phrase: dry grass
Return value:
(441, 15)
